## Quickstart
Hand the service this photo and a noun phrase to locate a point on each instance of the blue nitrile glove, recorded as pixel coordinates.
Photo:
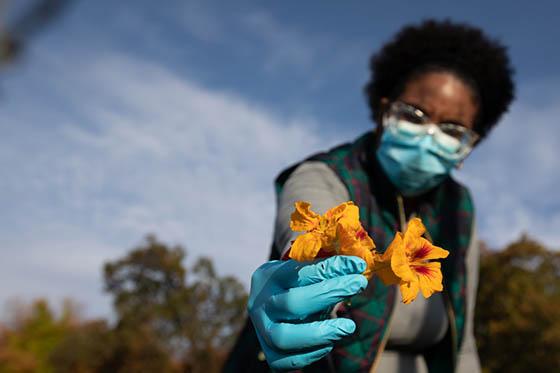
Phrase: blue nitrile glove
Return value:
(285, 295)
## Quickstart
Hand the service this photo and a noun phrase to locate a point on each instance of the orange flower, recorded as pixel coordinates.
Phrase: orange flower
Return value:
(354, 240)
(411, 266)
(408, 261)
(337, 232)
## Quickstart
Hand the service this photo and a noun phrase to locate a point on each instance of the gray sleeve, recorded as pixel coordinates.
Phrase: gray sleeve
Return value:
(468, 355)
(313, 182)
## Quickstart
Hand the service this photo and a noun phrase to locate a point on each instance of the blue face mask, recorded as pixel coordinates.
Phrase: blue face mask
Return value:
(413, 164)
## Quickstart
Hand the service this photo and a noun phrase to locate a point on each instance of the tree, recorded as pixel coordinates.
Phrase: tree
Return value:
(194, 313)
(169, 319)
(517, 320)
(137, 350)
(86, 348)
(31, 336)
(216, 318)
(148, 285)
(39, 340)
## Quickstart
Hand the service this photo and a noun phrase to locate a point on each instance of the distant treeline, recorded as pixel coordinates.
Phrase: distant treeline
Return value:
(169, 319)
(176, 319)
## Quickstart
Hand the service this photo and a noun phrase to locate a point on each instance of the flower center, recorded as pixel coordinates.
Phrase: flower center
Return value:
(420, 253)
(423, 270)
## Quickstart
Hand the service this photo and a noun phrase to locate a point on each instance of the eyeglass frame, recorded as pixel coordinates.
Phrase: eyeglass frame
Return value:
(472, 136)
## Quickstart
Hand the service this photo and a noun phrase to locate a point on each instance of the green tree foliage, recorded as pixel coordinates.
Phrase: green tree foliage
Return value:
(28, 340)
(194, 313)
(176, 319)
(138, 350)
(86, 348)
(216, 316)
(40, 341)
(148, 286)
(169, 319)
(517, 321)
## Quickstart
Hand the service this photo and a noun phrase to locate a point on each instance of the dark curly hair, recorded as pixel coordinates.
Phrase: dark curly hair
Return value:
(464, 50)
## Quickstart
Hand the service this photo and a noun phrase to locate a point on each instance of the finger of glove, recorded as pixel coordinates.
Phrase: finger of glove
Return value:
(286, 336)
(295, 274)
(296, 361)
(301, 302)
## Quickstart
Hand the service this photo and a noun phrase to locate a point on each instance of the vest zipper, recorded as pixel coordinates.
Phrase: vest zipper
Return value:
(452, 325)
(402, 223)
(402, 214)
(448, 306)
(382, 345)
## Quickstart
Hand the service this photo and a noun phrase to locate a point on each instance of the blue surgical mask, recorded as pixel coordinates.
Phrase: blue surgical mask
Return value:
(414, 164)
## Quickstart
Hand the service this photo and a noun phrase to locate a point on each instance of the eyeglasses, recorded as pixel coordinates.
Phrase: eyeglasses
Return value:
(407, 120)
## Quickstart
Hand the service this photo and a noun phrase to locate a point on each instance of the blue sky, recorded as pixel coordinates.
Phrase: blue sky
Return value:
(125, 118)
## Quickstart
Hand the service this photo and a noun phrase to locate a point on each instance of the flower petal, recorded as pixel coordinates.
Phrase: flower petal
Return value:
(346, 239)
(386, 256)
(414, 230)
(340, 210)
(352, 242)
(350, 214)
(383, 270)
(350, 235)
(409, 290)
(364, 239)
(306, 247)
(400, 263)
(424, 250)
(429, 278)
(303, 219)
(368, 257)
(382, 267)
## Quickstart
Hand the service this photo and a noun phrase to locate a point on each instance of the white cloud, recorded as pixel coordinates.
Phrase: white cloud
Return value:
(150, 152)
(514, 176)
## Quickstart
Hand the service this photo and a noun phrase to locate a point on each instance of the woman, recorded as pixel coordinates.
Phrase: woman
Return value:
(436, 91)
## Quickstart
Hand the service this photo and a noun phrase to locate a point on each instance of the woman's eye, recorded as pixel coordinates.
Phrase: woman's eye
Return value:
(453, 130)
(446, 142)
(410, 128)
(412, 118)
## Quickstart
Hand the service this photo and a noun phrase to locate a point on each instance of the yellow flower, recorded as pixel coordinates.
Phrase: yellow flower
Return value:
(408, 261)
(337, 232)
(411, 262)
(354, 240)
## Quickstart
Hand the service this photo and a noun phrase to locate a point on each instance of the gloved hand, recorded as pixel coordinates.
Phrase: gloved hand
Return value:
(285, 298)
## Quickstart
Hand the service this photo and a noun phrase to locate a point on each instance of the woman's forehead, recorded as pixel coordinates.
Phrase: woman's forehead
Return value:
(443, 97)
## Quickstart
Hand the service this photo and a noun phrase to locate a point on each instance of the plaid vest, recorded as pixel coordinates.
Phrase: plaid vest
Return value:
(447, 213)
